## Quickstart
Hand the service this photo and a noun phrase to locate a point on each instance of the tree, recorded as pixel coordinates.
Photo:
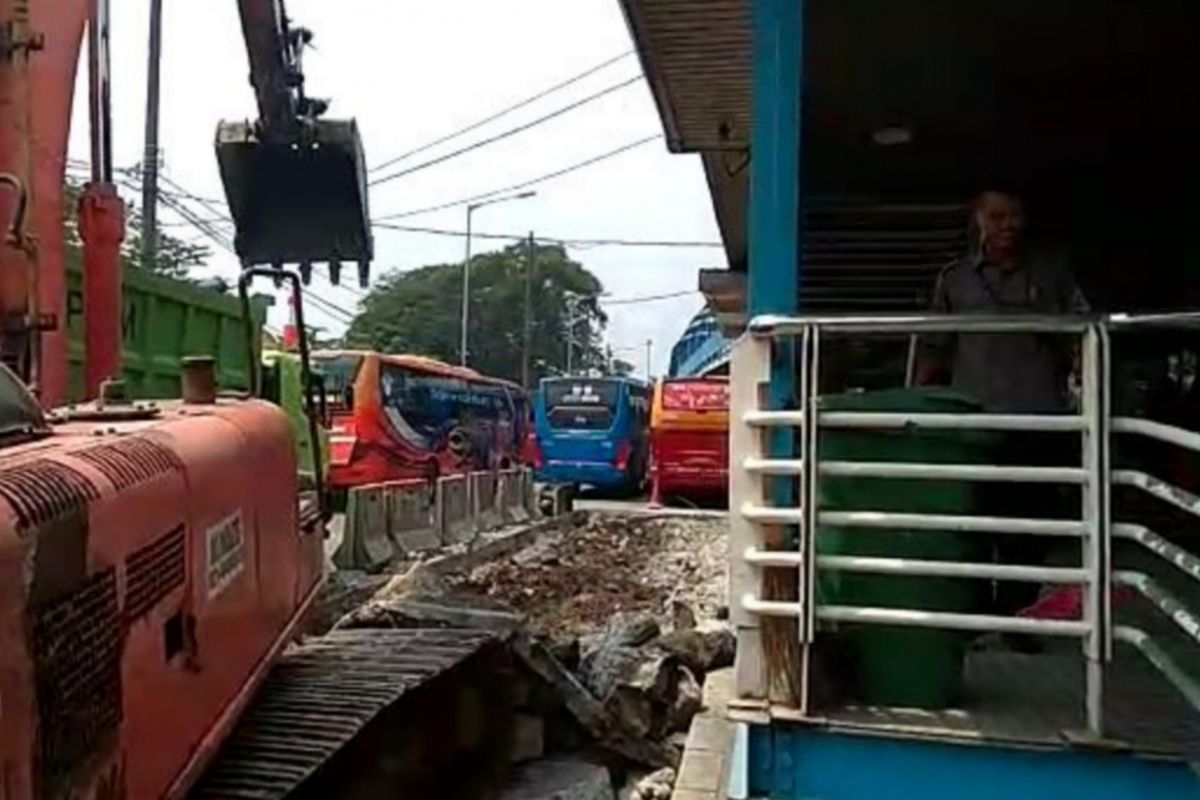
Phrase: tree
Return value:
(174, 258)
(420, 312)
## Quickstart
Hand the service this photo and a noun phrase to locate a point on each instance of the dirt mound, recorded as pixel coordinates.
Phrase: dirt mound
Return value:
(573, 583)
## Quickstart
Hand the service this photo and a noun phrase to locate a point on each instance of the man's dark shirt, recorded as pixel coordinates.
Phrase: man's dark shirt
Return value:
(1007, 373)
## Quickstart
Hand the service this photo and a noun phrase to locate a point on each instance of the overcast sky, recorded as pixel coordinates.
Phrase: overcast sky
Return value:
(413, 71)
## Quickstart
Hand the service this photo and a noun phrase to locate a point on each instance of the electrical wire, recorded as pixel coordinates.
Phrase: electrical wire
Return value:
(508, 133)
(171, 201)
(628, 301)
(565, 241)
(524, 184)
(503, 112)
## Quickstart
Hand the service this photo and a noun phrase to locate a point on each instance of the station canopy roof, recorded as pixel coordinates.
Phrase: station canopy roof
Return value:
(927, 101)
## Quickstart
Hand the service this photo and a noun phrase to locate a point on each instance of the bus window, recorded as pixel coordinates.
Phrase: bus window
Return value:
(588, 405)
(432, 412)
(339, 370)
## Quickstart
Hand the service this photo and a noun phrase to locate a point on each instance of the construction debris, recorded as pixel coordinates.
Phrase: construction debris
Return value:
(655, 786)
(614, 617)
(560, 779)
(571, 583)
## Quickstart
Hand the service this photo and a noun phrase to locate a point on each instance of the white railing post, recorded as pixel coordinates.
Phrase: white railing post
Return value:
(750, 375)
(810, 388)
(1095, 546)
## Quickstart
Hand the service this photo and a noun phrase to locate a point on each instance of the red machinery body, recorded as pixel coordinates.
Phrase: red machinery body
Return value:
(38, 62)
(149, 574)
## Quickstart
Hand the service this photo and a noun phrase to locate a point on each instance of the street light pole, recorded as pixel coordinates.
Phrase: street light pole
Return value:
(464, 343)
(649, 355)
(527, 316)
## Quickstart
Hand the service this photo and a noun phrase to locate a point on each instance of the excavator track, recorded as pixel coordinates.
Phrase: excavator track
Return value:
(320, 696)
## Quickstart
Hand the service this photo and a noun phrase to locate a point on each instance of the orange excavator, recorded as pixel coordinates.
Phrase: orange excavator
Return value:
(154, 559)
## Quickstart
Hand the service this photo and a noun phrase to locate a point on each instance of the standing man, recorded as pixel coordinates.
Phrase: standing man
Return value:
(1006, 373)
(1010, 373)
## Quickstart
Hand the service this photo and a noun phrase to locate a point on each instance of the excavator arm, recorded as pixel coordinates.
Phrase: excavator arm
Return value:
(295, 182)
(275, 49)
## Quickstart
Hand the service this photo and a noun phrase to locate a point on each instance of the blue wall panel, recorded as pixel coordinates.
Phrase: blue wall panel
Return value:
(792, 763)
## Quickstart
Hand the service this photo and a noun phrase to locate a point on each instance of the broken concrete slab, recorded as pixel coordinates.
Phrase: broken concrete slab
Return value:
(702, 649)
(560, 779)
(655, 786)
(608, 731)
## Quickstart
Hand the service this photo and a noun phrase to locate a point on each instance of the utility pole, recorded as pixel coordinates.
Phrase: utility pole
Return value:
(465, 315)
(649, 355)
(527, 322)
(150, 152)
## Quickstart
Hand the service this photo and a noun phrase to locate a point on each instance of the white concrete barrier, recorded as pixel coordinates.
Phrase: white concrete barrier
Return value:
(412, 516)
(486, 500)
(366, 544)
(511, 496)
(455, 509)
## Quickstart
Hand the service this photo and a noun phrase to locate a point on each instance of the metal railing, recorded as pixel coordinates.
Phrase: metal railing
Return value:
(776, 513)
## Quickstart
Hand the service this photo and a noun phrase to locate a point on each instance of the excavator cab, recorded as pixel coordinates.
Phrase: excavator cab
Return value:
(297, 200)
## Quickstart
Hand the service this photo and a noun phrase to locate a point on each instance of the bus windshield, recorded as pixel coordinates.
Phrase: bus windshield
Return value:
(581, 404)
(339, 371)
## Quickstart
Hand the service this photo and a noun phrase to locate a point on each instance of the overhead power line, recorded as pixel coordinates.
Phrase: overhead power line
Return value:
(566, 241)
(172, 201)
(628, 301)
(503, 112)
(510, 132)
(524, 184)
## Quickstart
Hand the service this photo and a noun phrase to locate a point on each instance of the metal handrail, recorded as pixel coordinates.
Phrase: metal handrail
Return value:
(1162, 661)
(1095, 530)
(808, 468)
(1163, 600)
(961, 472)
(770, 326)
(953, 522)
(868, 420)
(871, 565)
(1171, 553)
(981, 623)
(1155, 487)
(1168, 434)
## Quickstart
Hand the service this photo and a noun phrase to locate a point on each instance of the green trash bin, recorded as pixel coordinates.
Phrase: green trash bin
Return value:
(894, 665)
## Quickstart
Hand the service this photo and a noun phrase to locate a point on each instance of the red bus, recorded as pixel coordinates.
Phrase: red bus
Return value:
(399, 416)
(689, 439)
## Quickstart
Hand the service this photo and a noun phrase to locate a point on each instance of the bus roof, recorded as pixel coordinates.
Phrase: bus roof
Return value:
(430, 366)
(615, 378)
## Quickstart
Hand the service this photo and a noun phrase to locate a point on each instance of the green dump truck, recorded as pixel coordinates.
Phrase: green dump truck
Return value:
(164, 320)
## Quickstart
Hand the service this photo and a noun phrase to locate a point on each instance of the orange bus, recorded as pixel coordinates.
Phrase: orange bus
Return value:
(400, 416)
(689, 439)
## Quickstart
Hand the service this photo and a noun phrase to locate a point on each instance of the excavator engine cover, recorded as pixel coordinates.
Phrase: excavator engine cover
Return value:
(300, 201)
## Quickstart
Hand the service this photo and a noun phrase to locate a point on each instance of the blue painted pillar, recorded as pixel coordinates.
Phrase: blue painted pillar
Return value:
(773, 283)
(774, 225)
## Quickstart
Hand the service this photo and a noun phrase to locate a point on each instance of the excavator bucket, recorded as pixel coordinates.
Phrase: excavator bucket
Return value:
(297, 202)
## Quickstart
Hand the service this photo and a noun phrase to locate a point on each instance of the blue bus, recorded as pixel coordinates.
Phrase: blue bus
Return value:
(593, 432)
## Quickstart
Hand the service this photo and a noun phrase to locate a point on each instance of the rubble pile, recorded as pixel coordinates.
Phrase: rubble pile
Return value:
(618, 620)
(571, 583)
